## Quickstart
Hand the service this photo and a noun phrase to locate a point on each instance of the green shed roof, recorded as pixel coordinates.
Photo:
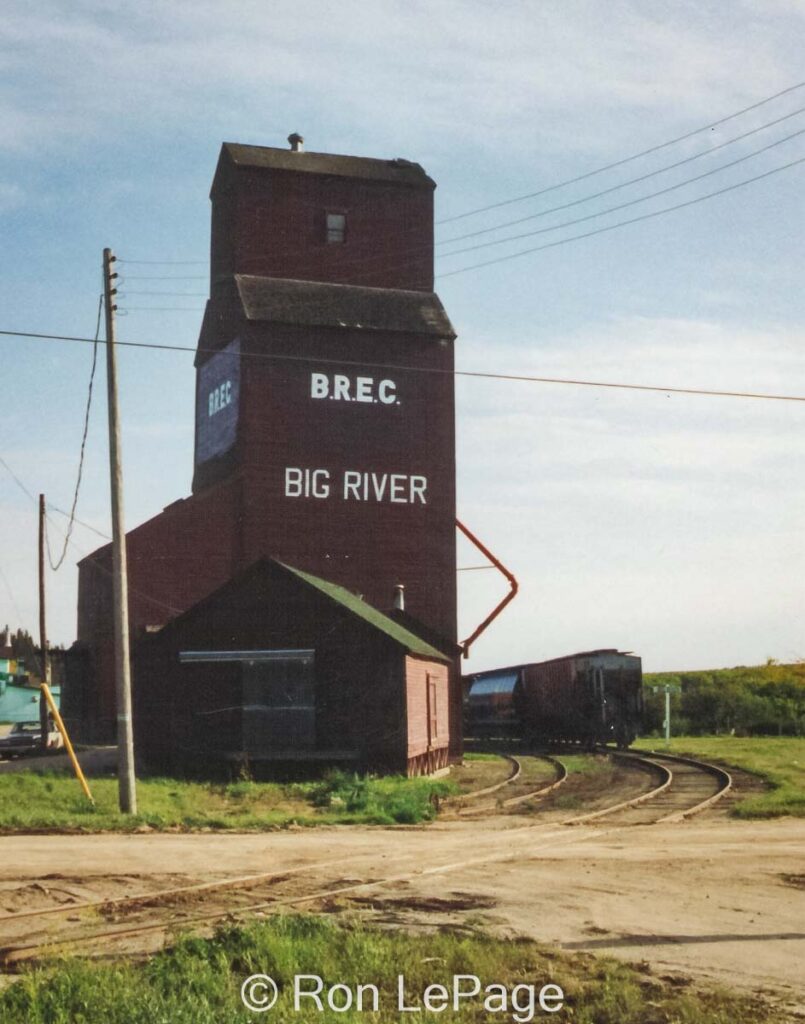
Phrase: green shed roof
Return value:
(357, 606)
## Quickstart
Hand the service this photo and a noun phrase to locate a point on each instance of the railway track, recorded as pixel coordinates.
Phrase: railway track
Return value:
(683, 787)
(694, 786)
(525, 783)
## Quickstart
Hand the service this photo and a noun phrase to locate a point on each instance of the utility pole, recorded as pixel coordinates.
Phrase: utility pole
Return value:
(43, 638)
(127, 792)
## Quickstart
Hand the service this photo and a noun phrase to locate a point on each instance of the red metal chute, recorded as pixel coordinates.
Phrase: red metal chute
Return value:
(465, 646)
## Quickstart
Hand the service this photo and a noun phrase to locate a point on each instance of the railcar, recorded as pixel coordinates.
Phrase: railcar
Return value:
(586, 698)
(492, 702)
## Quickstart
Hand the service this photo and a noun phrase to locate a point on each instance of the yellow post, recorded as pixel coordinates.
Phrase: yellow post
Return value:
(68, 745)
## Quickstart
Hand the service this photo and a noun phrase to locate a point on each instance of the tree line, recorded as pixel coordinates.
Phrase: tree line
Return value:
(762, 700)
(26, 650)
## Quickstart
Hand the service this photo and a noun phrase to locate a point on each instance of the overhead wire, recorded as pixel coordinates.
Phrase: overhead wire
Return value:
(478, 374)
(572, 238)
(14, 476)
(80, 522)
(402, 368)
(601, 230)
(629, 181)
(625, 160)
(55, 566)
(52, 508)
(91, 556)
(606, 228)
(587, 198)
(623, 223)
(634, 202)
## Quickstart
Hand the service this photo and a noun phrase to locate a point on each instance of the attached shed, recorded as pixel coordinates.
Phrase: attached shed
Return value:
(281, 665)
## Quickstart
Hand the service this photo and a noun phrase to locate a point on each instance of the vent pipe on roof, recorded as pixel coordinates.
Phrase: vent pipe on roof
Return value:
(297, 142)
(399, 597)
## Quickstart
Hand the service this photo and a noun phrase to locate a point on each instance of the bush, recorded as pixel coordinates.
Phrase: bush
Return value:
(766, 700)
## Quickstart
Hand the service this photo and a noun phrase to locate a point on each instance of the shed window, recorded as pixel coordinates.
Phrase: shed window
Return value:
(336, 228)
(270, 708)
(279, 706)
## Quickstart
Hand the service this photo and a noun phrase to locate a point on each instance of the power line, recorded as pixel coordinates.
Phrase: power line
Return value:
(630, 181)
(625, 160)
(87, 555)
(14, 476)
(624, 223)
(71, 520)
(554, 187)
(634, 202)
(413, 250)
(579, 220)
(479, 374)
(87, 526)
(53, 508)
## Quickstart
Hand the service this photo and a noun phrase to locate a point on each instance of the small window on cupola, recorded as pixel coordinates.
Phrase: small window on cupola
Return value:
(336, 228)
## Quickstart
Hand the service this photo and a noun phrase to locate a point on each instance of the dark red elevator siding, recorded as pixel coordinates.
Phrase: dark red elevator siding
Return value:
(271, 223)
(366, 546)
(268, 221)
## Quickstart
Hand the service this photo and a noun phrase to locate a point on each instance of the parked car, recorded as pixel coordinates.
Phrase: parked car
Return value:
(25, 737)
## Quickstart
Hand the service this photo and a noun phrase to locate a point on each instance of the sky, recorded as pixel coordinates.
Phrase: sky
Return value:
(656, 522)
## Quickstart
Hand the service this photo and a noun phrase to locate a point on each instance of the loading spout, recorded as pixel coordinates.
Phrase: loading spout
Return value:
(513, 584)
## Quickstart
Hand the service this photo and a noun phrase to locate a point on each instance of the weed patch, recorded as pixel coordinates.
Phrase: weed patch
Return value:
(37, 801)
(199, 981)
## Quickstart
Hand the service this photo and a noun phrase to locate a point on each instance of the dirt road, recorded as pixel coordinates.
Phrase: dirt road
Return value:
(717, 899)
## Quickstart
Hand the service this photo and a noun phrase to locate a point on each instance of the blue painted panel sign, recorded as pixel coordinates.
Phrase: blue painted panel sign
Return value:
(217, 403)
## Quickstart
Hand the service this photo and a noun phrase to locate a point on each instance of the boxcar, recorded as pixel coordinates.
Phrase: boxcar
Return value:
(587, 698)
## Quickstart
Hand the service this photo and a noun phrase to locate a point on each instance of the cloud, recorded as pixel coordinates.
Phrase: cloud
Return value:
(454, 70)
(616, 509)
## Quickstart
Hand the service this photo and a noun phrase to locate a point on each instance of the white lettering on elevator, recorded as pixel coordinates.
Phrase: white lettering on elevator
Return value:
(341, 388)
(356, 485)
(219, 398)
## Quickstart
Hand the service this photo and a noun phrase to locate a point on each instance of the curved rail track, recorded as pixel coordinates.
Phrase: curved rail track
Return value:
(517, 789)
(683, 789)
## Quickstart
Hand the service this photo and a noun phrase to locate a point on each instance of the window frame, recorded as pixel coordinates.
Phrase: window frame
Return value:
(335, 234)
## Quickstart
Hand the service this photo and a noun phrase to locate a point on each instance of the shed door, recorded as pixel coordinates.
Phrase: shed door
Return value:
(279, 706)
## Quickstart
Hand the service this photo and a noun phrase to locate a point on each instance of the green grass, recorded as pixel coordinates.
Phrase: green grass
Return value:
(588, 765)
(198, 981)
(36, 801)
(780, 761)
(584, 764)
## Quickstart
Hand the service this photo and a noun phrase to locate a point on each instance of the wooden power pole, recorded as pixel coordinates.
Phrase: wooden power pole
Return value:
(43, 636)
(127, 791)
